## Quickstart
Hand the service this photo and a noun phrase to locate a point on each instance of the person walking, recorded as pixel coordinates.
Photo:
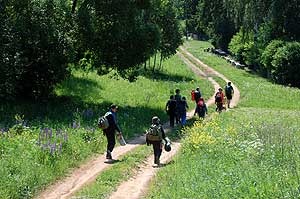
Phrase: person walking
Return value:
(183, 106)
(229, 93)
(154, 136)
(197, 95)
(178, 99)
(219, 100)
(109, 132)
(201, 108)
(171, 109)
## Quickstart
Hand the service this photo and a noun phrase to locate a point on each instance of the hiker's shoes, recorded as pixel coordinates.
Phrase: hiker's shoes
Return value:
(156, 160)
(108, 155)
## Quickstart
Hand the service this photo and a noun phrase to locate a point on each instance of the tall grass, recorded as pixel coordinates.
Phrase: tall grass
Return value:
(249, 152)
(27, 166)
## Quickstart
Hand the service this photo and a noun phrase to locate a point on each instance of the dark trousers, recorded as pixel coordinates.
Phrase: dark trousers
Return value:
(172, 118)
(111, 141)
(157, 149)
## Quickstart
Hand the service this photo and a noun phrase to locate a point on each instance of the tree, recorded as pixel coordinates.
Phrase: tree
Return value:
(34, 46)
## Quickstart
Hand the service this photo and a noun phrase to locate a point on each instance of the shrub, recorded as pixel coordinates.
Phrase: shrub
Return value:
(287, 64)
(237, 45)
(268, 56)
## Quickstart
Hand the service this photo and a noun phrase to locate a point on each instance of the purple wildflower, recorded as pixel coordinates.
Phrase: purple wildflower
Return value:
(66, 136)
(60, 147)
(54, 146)
(50, 134)
(74, 125)
(46, 132)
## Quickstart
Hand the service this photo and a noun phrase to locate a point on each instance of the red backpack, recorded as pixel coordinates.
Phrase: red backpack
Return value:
(193, 95)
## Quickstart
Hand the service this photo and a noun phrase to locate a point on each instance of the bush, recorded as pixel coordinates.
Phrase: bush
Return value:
(268, 56)
(287, 64)
(237, 45)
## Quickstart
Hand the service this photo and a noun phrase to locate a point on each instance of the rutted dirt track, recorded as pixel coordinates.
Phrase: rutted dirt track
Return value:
(135, 187)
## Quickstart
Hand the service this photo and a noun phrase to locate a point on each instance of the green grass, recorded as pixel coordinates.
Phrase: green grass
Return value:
(249, 152)
(74, 98)
(255, 90)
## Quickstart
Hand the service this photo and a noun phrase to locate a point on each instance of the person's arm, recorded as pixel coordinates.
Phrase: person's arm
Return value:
(113, 123)
(163, 133)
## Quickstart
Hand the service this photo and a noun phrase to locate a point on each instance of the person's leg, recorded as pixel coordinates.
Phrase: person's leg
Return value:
(183, 119)
(157, 152)
(172, 118)
(111, 142)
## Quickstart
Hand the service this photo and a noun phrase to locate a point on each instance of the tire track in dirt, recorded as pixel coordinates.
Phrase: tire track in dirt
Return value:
(210, 71)
(137, 186)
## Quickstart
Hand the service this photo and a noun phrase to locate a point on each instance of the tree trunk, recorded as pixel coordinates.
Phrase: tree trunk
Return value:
(154, 63)
(74, 6)
(160, 62)
(149, 64)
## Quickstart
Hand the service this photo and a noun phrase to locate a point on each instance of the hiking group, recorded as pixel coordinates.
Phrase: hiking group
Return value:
(176, 108)
(220, 97)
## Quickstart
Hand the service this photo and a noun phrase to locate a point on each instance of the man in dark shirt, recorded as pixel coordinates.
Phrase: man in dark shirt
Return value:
(110, 131)
(197, 94)
(171, 109)
(229, 93)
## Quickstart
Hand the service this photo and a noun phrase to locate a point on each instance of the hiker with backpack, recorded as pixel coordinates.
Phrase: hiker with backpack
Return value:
(110, 128)
(201, 108)
(171, 109)
(182, 108)
(219, 100)
(229, 93)
(178, 99)
(155, 135)
(197, 95)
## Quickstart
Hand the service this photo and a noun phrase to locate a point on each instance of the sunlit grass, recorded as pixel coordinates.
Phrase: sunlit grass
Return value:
(249, 152)
(82, 99)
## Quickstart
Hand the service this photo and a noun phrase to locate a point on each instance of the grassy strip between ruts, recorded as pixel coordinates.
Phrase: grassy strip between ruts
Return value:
(80, 100)
(249, 152)
(122, 170)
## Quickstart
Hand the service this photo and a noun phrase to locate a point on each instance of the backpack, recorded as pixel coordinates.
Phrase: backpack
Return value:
(218, 97)
(154, 133)
(193, 95)
(200, 103)
(103, 121)
(228, 91)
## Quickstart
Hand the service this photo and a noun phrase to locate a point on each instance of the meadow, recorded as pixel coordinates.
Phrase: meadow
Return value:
(42, 141)
(251, 151)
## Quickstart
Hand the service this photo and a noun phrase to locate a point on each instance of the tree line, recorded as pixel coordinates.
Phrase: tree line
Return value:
(264, 34)
(40, 40)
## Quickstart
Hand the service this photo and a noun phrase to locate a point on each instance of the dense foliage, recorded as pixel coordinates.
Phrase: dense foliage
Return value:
(247, 27)
(38, 39)
(33, 47)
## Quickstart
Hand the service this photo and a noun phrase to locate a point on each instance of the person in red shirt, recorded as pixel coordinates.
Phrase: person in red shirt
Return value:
(219, 100)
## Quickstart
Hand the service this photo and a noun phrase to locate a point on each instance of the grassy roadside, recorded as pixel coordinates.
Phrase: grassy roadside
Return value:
(72, 116)
(249, 152)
